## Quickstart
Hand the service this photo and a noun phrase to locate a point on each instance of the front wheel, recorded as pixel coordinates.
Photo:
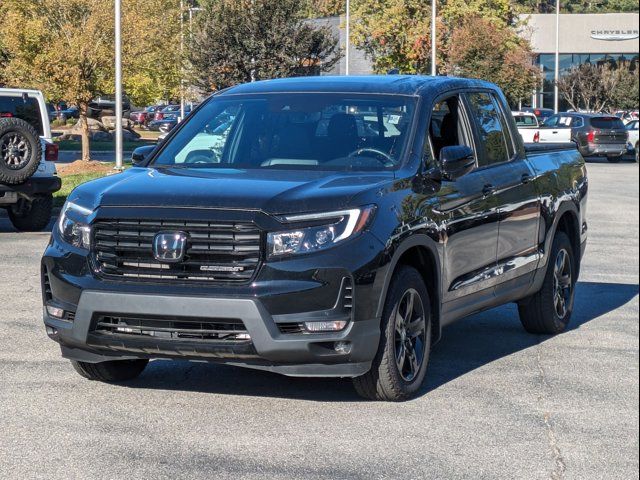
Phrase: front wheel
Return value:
(549, 311)
(400, 364)
(113, 371)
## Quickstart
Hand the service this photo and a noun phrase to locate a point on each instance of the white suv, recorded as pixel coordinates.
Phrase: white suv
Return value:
(28, 176)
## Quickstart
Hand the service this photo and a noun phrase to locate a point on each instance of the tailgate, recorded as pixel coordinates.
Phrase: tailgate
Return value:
(610, 137)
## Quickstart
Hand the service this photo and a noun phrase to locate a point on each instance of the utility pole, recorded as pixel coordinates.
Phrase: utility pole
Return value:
(556, 89)
(118, 41)
(434, 67)
(348, 39)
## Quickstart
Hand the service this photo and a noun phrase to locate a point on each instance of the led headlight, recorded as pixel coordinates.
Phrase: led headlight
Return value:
(73, 225)
(334, 228)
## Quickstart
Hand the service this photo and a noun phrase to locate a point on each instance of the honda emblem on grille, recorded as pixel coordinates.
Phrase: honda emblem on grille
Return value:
(170, 247)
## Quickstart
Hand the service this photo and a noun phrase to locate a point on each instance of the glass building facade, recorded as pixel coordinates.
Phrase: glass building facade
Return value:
(546, 62)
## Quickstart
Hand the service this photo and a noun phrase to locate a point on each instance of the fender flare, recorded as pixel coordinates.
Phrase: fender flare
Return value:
(416, 240)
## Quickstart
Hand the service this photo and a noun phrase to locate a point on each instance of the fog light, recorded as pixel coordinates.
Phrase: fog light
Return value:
(343, 348)
(333, 326)
(52, 332)
(55, 311)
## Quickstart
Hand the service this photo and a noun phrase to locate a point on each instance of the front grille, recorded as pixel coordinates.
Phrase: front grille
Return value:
(216, 252)
(228, 330)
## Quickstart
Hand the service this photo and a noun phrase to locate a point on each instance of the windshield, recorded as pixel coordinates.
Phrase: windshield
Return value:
(314, 131)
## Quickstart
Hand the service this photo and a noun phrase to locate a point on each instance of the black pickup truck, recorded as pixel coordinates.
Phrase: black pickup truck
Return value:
(318, 227)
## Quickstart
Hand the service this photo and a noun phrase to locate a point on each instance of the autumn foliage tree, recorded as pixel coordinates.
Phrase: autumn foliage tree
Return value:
(486, 49)
(476, 38)
(66, 49)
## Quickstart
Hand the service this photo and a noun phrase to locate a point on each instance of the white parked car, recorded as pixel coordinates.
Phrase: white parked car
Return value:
(28, 176)
(633, 144)
(533, 132)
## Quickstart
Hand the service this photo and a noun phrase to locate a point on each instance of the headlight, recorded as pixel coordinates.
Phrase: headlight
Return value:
(73, 225)
(335, 227)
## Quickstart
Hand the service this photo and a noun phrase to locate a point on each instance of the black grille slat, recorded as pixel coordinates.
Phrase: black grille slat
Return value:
(216, 252)
(228, 330)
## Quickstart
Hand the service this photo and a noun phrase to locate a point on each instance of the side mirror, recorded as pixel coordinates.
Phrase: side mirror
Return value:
(456, 161)
(140, 154)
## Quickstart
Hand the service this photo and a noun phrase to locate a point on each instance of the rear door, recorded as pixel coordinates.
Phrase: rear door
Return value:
(511, 189)
(557, 129)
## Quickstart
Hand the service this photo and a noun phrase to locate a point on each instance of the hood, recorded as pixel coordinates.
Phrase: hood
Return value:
(269, 191)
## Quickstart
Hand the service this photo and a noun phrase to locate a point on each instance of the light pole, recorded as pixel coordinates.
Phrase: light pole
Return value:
(434, 67)
(348, 40)
(556, 88)
(182, 102)
(118, 42)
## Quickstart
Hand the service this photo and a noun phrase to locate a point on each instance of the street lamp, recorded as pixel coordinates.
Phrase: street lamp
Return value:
(556, 89)
(434, 67)
(348, 40)
(118, 46)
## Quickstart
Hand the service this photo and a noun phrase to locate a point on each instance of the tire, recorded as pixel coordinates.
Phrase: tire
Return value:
(20, 151)
(113, 371)
(549, 311)
(390, 379)
(637, 152)
(32, 216)
(616, 159)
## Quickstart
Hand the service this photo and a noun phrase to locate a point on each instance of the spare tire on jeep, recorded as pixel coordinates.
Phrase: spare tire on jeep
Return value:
(20, 151)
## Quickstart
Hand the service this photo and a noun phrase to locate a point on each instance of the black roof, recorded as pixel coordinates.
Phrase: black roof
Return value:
(380, 84)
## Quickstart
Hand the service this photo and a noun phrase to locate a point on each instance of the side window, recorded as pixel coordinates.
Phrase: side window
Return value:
(577, 122)
(551, 121)
(448, 126)
(491, 128)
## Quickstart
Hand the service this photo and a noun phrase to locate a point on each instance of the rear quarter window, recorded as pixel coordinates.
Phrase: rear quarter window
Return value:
(607, 123)
(29, 111)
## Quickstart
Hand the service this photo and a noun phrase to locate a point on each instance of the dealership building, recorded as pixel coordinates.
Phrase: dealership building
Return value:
(595, 39)
(584, 38)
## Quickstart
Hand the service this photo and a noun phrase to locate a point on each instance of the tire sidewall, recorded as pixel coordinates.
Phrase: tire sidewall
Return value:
(561, 242)
(407, 278)
(24, 129)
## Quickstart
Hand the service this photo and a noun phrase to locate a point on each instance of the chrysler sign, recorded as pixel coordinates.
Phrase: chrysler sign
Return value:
(615, 35)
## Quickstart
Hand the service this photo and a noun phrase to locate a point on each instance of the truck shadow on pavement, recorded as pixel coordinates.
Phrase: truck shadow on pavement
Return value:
(467, 345)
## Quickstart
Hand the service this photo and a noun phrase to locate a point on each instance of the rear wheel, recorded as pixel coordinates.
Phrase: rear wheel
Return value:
(400, 365)
(637, 152)
(20, 150)
(113, 371)
(32, 215)
(549, 311)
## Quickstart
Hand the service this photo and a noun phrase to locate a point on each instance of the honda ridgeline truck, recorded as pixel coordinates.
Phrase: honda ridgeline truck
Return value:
(321, 226)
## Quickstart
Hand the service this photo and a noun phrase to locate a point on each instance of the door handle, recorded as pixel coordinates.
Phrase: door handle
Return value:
(488, 190)
(526, 178)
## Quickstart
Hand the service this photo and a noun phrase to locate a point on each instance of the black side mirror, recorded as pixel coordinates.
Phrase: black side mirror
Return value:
(140, 154)
(456, 161)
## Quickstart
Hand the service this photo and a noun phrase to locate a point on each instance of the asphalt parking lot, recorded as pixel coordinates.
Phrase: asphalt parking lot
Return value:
(499, 403)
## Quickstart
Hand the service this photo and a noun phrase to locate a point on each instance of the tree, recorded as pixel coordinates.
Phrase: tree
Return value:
(236, 41)
(600, 87)
(66, 49)
(488, 50)
(476, 38)
(394, 34)
(63, 48)
(325, 8)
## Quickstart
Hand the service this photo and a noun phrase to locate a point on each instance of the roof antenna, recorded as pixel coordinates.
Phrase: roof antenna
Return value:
(394, 71)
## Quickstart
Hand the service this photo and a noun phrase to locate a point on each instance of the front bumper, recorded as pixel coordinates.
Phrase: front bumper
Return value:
(301, 289)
